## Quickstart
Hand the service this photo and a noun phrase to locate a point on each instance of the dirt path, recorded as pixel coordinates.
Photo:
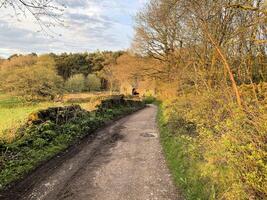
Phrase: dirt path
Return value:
(124, 162)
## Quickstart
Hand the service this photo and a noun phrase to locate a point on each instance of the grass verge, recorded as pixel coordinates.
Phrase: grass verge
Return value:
(178, 150)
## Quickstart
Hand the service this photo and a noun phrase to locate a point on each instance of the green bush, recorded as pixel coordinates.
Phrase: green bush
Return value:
(149, 99)
(92, 83)
(75, 83)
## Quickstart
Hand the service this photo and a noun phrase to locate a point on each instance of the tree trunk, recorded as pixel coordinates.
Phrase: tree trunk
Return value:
(228, 68)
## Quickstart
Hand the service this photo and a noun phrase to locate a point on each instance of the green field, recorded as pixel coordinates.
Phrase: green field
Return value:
(14, 112)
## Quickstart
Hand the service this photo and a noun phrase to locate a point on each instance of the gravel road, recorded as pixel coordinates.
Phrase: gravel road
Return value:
(124, 162)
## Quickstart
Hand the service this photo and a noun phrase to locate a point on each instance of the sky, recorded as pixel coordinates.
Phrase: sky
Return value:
(89, 25)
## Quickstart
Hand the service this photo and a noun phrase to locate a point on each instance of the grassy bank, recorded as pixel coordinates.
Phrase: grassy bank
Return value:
(178, 150)
(50, 132)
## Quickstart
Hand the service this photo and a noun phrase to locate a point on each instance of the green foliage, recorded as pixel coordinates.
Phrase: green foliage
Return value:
(52, 131)
(79, 83)
(92, 83)
(68, 65)
(75, 83)
(149, 99)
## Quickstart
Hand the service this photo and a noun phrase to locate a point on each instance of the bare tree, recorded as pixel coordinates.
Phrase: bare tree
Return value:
(206, 36)
(158, 29)
(159, 33)
(47, 13)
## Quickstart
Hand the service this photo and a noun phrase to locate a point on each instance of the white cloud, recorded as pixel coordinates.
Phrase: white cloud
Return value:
(90, 25)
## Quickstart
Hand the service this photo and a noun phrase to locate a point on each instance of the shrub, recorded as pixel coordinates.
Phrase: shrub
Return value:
(92, 83)
(149, 99)
(75, 83)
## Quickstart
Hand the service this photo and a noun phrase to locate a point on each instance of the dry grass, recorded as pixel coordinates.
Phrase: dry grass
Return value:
(68, 97)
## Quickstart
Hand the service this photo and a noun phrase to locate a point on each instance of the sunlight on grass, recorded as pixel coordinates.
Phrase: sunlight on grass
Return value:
(14, 112)
(12, 117)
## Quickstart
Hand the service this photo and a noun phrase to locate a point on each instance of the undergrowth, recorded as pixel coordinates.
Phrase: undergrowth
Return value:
(215, 150)
(178, 150)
